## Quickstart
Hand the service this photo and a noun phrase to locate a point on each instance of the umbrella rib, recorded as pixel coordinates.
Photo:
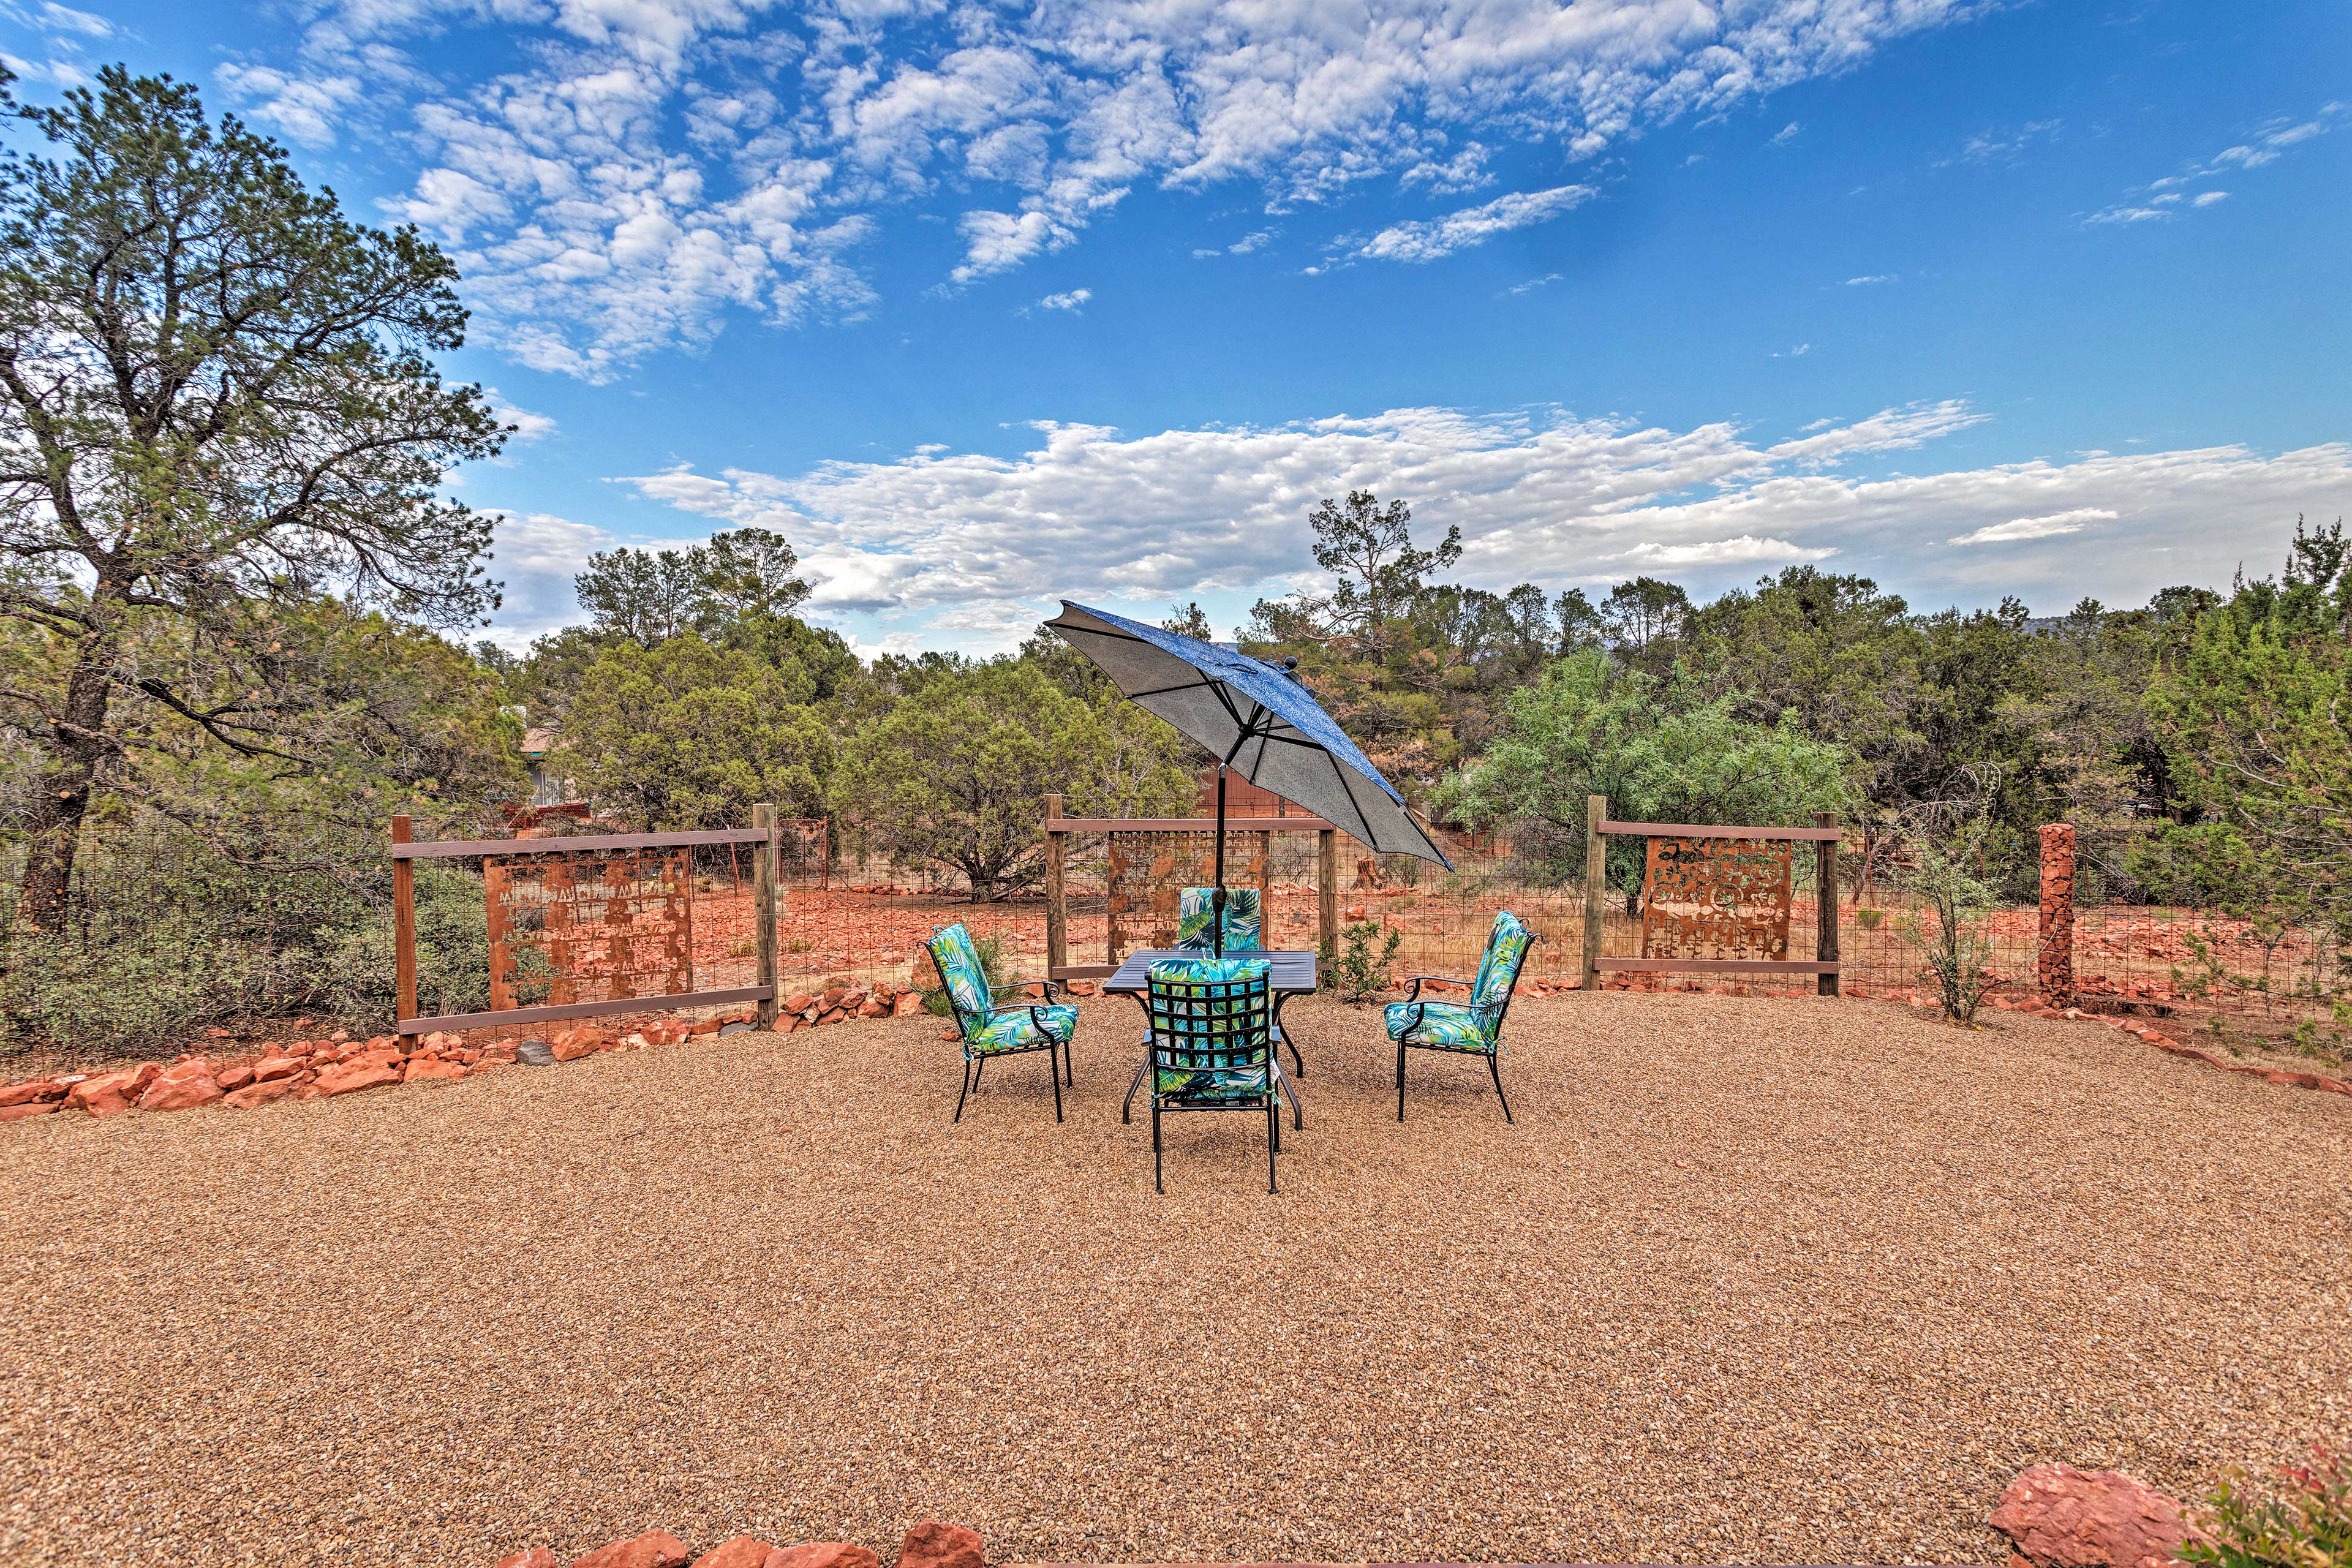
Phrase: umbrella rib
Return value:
(1164, 690)
(1362, 820)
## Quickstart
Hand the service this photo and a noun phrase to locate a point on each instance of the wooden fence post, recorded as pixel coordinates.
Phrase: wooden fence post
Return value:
(1825, 923)
(1327, 894)
(1057, 916)
(763, 904)
(1596, 884)
(403, 926)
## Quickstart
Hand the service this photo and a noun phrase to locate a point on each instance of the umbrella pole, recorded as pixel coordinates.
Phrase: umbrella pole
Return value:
(1217, 896)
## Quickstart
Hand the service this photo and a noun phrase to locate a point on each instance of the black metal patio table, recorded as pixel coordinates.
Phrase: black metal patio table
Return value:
(1292, 973)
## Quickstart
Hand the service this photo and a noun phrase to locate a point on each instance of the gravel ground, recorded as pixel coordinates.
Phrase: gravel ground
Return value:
(1752, 1280)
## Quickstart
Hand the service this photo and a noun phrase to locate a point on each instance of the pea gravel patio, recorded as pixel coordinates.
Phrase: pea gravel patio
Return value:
(1793, 1280)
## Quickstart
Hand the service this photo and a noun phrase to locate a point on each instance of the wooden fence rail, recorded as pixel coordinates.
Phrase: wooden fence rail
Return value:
(600, 897)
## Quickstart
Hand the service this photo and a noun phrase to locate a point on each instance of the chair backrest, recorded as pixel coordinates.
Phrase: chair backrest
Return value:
(1210, 1016)
(961, 973)
(1498, 970)
(1245, 919)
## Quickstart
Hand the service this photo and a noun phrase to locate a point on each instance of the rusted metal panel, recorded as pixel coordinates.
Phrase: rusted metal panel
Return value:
(1150, 871)
(589, 926)
(1716, 899)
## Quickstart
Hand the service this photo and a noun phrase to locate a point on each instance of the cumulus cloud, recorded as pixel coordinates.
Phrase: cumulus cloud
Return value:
(535, 554)
(2049, 527)
(1427, 241)
(2162, 200)
(528, 427)
(982, 543)
(643, 172)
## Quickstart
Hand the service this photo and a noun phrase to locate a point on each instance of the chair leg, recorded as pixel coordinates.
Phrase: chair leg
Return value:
(1273, 1138)
(1494, 1066)
(1053, 1075)
(1157, 1184)
(964, 1093)
(1069, 1069)
(1400, 1078)
(1126, 1106)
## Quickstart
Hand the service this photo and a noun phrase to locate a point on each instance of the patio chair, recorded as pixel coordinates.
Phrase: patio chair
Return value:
(989, 1030)
(1473, 1029)
(1196, 928)
(1212, 1046)
(1245, 932)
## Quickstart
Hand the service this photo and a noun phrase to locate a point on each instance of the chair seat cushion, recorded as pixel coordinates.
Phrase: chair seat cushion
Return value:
(1232, 1083)
(1441, 1023)
(1017, 1026)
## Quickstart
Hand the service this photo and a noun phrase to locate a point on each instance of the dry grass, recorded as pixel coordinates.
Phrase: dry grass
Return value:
(1777, 1281)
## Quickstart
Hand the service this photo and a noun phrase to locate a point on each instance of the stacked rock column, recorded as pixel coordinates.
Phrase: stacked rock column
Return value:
(2053, 970)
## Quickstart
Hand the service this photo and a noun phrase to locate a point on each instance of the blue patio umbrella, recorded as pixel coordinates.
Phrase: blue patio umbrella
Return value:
(1259, 721)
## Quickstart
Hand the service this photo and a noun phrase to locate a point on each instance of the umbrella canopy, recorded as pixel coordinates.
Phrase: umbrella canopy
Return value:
(1258, 720)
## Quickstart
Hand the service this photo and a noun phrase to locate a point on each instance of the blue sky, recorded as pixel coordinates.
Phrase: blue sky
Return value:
(984, 304)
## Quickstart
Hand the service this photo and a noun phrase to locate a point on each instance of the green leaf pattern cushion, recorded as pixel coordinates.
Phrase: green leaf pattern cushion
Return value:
(1227, 1032)
(959, 969)
(1017, 1026)
(1245, 919)
(1498, 971)
(1441, 1023)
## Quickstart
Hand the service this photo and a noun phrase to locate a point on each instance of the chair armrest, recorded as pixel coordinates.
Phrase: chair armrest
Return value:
(1415, 995)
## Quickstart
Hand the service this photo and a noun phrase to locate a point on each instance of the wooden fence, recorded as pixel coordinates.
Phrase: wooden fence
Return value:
(609, 913)
(1714, 899)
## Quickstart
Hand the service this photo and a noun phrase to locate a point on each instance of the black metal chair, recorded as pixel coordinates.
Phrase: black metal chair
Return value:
(1472, 1028)
(1212, 1045)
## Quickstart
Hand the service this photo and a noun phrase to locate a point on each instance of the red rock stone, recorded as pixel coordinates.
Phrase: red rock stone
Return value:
(799, 1002)
(821, 1554)
(571, 1045)
(831, 1015)
(31, 1090)
(260, 1093)
(142, 1075)
(236, 1077)
(436, 1070)
(185, 1087)
(907, 1006)
(534, 1557)
(102, 1094)
(352, 1077)
(874, 1007)
(743, 1551)
(705, 1026)
(931, 1544)
(2059, 1517)
(29, 1108)
(654, 1548)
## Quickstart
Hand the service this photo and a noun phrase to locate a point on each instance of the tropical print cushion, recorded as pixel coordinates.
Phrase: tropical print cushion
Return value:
(959, 969)
(1017, 1026)
(1211, 1029)
(1441, 1023)
(1498, 971)
(1245, 919)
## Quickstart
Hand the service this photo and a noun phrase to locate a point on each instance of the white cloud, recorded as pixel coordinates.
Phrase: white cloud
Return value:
(2049, 527)
(528, 427)
(1532, 284)
(1074, 300)
(1426, 241)
(535, 555)
(982, 543)
(647, 170)
(1786, 134)
(1868, 279)
(2006, 146)
(2163, 199)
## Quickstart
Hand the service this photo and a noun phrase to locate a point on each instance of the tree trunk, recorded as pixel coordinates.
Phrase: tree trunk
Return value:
(76, 749)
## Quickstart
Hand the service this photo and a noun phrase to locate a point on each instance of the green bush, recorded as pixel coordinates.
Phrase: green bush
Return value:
(1362, 967)
(2305, 1520)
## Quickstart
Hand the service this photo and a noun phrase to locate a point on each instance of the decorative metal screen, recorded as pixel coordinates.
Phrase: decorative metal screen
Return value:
(1146, 871)
(589, 926)
(1716, 899)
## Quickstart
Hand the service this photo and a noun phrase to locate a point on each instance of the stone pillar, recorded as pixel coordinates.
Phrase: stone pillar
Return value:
(2053, 970)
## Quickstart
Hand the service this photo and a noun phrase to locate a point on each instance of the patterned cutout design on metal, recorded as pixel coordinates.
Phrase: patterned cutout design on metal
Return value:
(1149, 871)
(589, 927)
(1716, 897)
